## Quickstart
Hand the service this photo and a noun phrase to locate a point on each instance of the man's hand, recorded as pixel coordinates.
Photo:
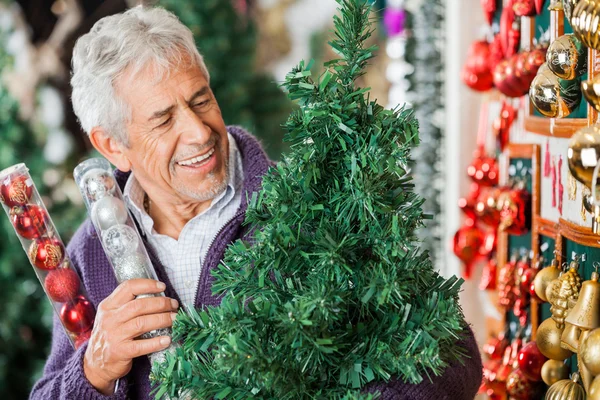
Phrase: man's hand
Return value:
(119, 320)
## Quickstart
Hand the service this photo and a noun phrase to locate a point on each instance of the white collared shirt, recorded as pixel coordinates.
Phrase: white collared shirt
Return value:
(184, 258)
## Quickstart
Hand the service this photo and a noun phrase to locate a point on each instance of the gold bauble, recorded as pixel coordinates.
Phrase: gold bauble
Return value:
(567, 57)
(552, 290)
(566, 389)
(589, 350)
(554, 371)
(554, 97)
(570, 285)
(583, 153)
(594, 390)
(569, 7)
(543, 278)
(548, 341)
(585, 23)
(591, 92)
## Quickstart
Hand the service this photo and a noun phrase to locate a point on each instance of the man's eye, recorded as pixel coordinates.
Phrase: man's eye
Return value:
(165, 123)
(201, 104)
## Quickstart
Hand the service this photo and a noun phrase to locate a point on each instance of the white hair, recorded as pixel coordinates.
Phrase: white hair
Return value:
(129, 41)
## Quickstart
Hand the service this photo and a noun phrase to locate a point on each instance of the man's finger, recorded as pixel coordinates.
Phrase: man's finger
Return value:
(142, 347)
(128, 290)
(147, 323)
(146, 306)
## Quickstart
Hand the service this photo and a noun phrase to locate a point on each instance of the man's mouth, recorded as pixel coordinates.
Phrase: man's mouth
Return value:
(198, 160)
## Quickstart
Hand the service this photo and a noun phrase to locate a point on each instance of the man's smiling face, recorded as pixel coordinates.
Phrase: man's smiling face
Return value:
(178, 144)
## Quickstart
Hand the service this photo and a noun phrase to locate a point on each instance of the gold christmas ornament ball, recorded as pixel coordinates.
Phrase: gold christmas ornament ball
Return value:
(548, 341)
(567, 57)
(543, 278)
(594, 389)
(591, 92)
(584, 21)
(589, 351)
(552, 290)
(583, 152)
(554, 97)
(566, 389)
(554, 371)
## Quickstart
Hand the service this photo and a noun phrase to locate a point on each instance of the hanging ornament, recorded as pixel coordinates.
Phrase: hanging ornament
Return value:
(554, 97)
(586, 205)
(561, 188)
(495, 347)
(521, 296)
(501, 125)
(29, 221)
(489, 9)
(548, 341)
(505, 79)
(554, 174)
(518, 387)
(476, 72)
(535, 59)
(506, 283)
(515, 210)
(568, 293)
(553, 371)
(489, 243)
(62, 284)
(486, 207)
(543, 279)
(572, 184)
(591, 92)
(490, 383)
(530, 361)
(584, 316)
(483, 169)
(569, 7)
(566, 389)
(16, 192)
(496, 52)
(488, 277)
(584, 21)
(97, 184)
(589, 351)
(594, 389)
(524, 8)
(78, 315)
(539, 6)
(467, 204)
(46, 253)
(567, 57)
(547, 160)
(510, 30)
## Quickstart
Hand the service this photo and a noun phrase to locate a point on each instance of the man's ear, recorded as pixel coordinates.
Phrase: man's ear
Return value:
(110, 148)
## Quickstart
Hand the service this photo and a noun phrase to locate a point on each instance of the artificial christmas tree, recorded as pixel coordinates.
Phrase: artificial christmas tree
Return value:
(334, 291)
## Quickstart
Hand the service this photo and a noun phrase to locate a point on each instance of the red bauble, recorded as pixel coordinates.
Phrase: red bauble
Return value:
(539, 5)
(489, 9)
(510, 32)
(82, 338)
(476, 72)
(489, 243)
(46, 253)
(29, 221)
(491, 384)
(483, 169)
(501, 126)
(531, 361)
(518, 387)
(78, 315)
(533, 294)
(515, 211)
(496, 347)
(467, 242)
(524, 8)
(16, 192)
(488, 277)
(527, 279)
(506, 283)
(496, 52)
(467, 204)
(62, 284)
(486, 209)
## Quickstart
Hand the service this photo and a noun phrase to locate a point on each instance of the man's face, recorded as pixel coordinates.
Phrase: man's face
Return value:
(178, 145)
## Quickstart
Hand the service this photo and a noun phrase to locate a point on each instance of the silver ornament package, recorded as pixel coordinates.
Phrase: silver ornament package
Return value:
(47, 253)
(114, 225)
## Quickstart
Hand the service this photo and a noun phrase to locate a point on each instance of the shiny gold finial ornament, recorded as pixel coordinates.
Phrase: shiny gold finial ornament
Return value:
(589, 351)
(568, 293)
(548, 341)
(554, 97)
(569, 7)
(591, 92)
(544, 277)
(582, 157)
(567, 57)
(566, 389)
(584, 316)
(584, 21)
(554, 371)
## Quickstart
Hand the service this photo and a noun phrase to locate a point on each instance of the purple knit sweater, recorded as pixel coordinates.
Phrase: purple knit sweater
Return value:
(63, 374)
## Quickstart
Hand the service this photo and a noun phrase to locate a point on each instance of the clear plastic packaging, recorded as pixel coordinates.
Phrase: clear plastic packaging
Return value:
(47, 253)
(114, 225)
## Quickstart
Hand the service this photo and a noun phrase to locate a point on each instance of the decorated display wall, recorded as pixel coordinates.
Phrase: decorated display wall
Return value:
(537, 70)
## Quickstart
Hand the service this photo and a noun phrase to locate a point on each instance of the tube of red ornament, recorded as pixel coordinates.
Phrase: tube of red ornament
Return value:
(46, 252)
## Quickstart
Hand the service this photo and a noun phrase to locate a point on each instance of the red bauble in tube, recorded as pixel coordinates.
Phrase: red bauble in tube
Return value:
(62, 285)
(78, 315)
(16, 192)
(467, 242)
(29, 221)
(82, 338)
(530, 361)
(46, 253)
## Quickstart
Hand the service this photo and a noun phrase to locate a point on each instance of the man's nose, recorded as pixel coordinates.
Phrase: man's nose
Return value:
(193, 130)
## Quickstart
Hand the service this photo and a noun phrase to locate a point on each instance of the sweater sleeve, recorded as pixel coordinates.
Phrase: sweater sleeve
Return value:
(458, 382)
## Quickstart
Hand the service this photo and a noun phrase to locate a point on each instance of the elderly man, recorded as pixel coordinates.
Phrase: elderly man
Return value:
(141, 91)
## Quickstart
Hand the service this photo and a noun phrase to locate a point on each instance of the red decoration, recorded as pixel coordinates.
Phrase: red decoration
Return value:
(467, 204)
(506, 284)
(491, 385)
(486, 209)
(483, 169)
(524, 8)
(496, 52)
(477, 73)
(16, 192)
(46, 253)
(29, 221)
(82, 338)
(518, 387)
(505, 80)
(467, 242)
(489, 9)
(489, 243)
(510, 32)
(488, 277)
(535, 59)
(503, 123)
(539, 6)
(547, 168)
(530, 361)
(78, 315)
(553, 173)
(561, 188)
(515, 211)
(62, 284)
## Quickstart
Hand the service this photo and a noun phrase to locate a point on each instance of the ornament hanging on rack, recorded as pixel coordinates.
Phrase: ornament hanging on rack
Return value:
(489, 9)
(584, 21)
(567, 57)
(565, 295)
(524, 8)
(554, 179)
(554, 371)
(548, 341)
(547, 156)
(488, 277)
(585, 314)
(544, 277)
(502, 124)
(567, 389)
(477, 72)
(561, 188)
(510, 30)
(552, 96)
(515, 210)
(506, 283)
(572, 185)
